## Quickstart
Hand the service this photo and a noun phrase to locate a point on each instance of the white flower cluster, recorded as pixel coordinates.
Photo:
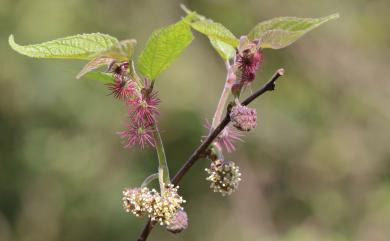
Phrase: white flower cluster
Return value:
(166, 206)
(138, 201)
(159, 207)
(224, 176)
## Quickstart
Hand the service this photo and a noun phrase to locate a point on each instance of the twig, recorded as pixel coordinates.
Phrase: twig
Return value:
(146, 231)
(196, 155)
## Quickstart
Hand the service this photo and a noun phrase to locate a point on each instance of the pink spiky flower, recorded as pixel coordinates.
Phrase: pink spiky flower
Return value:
(227, 137)
(143, 109)
(138, 134)
(248, 62)
(122, 88)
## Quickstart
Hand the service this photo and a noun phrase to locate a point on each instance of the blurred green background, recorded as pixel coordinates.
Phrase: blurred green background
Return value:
(316, 168)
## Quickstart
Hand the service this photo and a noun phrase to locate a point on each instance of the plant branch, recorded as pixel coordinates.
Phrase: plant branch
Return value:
(146, 231)
(269, 86)
(196, 155)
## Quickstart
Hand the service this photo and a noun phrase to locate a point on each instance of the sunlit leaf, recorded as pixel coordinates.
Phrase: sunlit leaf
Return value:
(225, 50)
(280, 32)
(82, 46)
(215, 31)
(163, 47)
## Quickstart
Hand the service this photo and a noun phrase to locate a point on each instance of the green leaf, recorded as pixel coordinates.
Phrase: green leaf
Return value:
(225, 50)
(216, 31)
(280, 32)
(163, 47)
(82, 46)
(103, 77)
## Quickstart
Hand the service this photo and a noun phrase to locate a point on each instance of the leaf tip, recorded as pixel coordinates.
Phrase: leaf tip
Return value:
(11, 41)
(79, 75)
(14, 45)
(333, 16)
(185, 9)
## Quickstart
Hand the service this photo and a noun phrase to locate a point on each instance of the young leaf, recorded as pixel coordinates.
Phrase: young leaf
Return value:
(216, 31)
(122, 51)
(82, 46)
(125, 47)
(163, 47)
(95, 64)
(225, 50)
(103, 77)
(280, 32)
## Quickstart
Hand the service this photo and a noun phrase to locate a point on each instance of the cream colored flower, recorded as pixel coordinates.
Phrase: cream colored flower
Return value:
(224, 176)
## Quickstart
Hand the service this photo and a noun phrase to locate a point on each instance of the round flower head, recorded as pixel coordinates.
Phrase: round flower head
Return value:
(137, 134)
(243, 118)
(224, 176)
(122, 87)
(179, 222)
(138, 201)
(167, 205)
(143, 109)
(248, 59)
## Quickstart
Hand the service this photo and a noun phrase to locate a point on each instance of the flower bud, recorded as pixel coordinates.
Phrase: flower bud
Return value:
(224, 176)
(243, 118)
(118, 68)
(179, 222)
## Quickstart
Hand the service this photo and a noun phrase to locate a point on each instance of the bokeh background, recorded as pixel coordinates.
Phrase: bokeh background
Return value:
(316, 168)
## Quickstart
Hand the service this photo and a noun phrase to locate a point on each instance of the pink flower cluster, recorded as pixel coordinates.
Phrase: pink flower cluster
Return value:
(142, 105)
(248, 62)
(243, 118)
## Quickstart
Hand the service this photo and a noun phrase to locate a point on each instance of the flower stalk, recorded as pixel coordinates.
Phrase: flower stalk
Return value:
(230, 78)
(149, 179)
(163, 171)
